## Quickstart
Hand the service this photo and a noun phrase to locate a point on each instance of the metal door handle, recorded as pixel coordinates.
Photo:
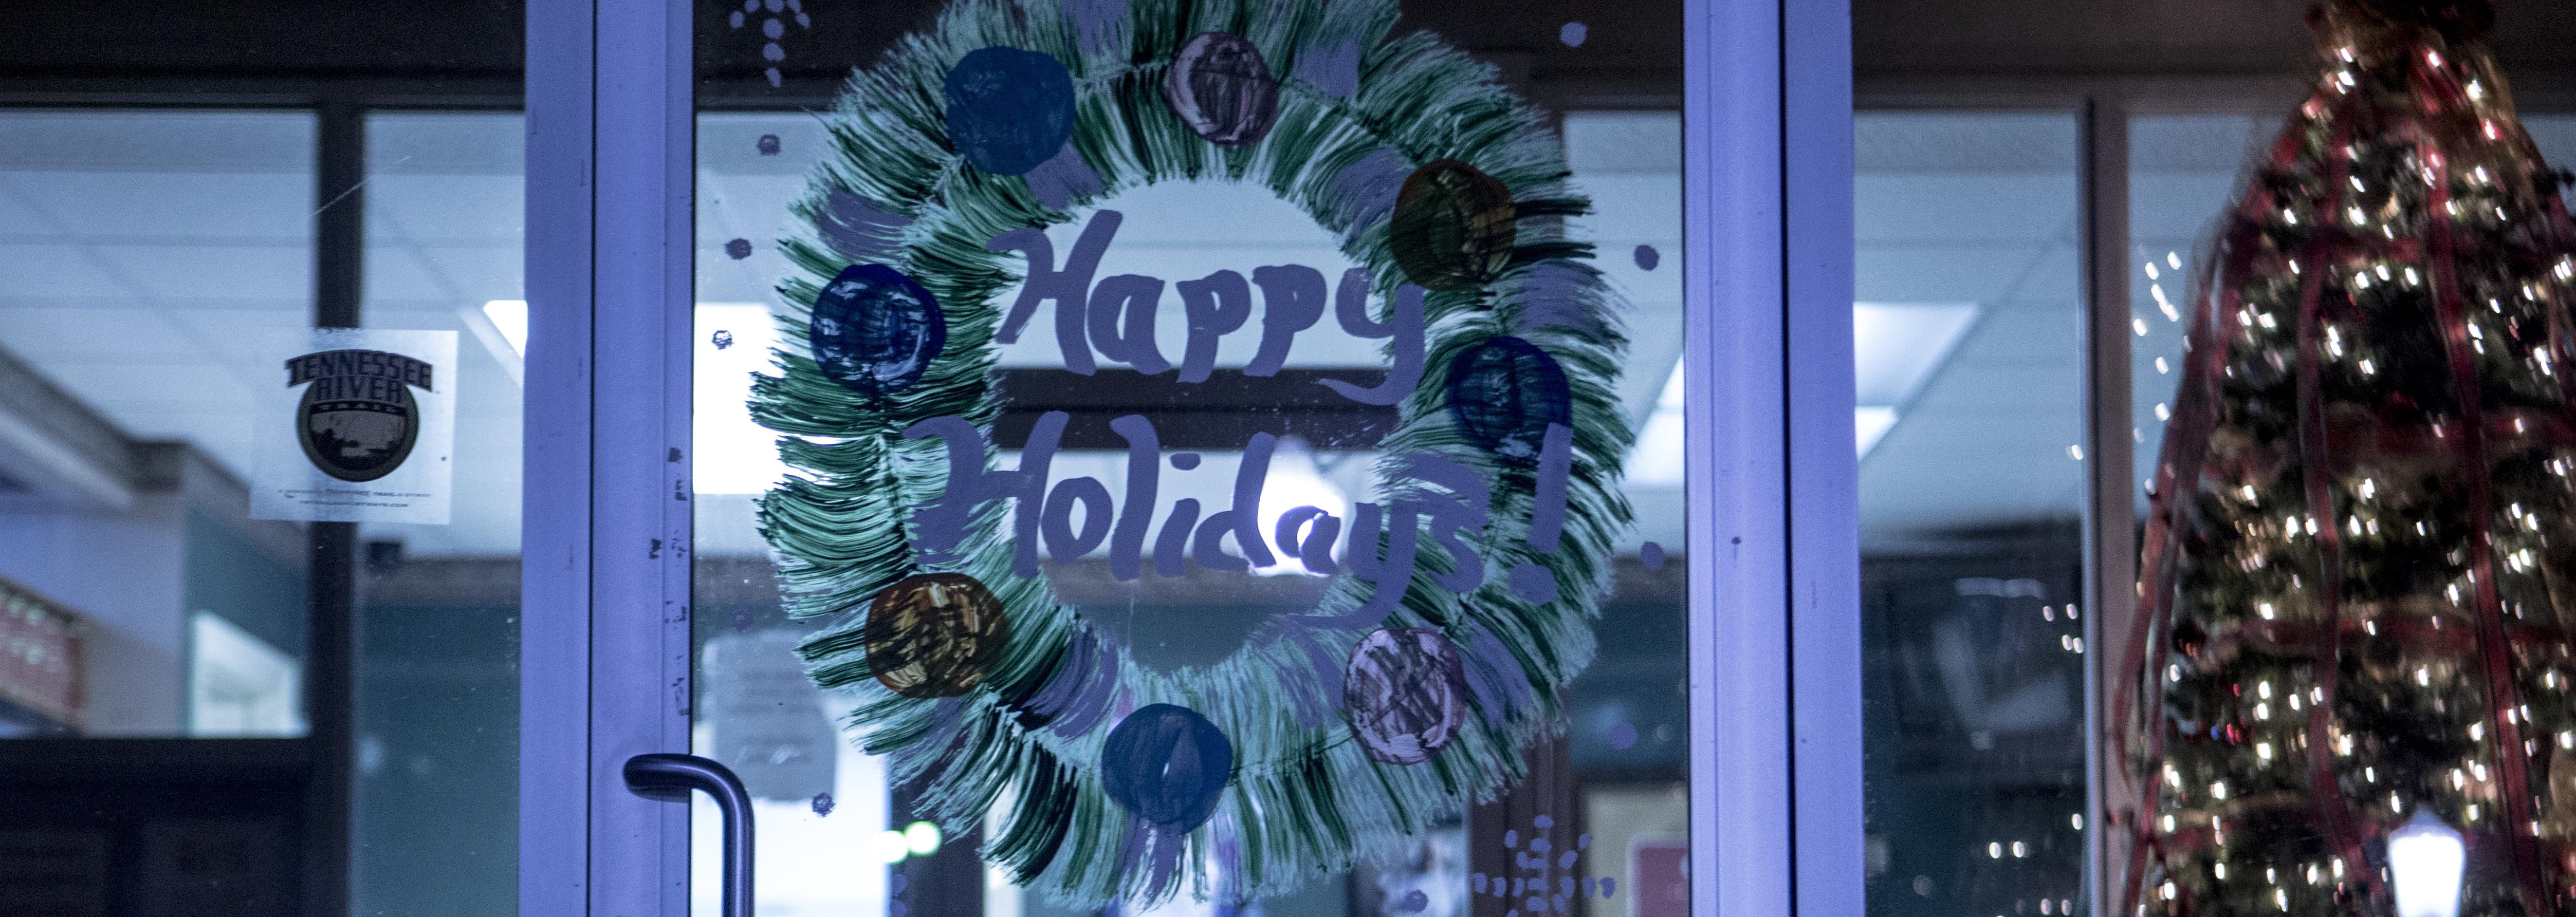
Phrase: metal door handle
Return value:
(670, 777)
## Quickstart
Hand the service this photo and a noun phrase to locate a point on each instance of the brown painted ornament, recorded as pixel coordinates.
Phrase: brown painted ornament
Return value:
(1453, 227)
(934, 634)
(1222, 88)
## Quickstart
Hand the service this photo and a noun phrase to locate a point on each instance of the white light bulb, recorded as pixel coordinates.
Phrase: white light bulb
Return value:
(2425, 857)
(921, 838)
(890, 847)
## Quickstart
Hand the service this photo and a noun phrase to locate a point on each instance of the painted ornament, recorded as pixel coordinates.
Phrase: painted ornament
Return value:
(1401, 694)
(1009, 109)
(1167, 765)
(934, 634)
(1504, 393)
(1222, 88)
(875, 331)
(1453, 227)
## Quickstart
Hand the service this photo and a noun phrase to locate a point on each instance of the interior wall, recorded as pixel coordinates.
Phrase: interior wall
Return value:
(120, 571)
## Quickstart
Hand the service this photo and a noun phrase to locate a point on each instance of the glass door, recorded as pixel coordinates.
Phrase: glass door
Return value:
(1217, 458)
(1124, 457)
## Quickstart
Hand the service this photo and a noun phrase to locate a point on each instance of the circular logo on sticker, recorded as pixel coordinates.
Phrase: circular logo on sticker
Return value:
(357, 420)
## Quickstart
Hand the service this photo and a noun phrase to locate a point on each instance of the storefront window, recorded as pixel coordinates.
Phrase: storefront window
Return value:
(435, 805)
(149, 245)
(1969, 338)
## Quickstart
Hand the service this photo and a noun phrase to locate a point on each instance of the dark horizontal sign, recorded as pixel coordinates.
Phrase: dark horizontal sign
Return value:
(40, 658)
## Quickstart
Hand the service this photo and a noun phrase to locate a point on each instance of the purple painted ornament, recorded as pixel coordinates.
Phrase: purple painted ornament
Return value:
(1221, 87)
(1403, 694)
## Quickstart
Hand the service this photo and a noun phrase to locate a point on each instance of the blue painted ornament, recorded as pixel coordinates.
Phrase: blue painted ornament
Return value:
(875, 331)
(1167, 765)
(1009, 109)
(1504, 393)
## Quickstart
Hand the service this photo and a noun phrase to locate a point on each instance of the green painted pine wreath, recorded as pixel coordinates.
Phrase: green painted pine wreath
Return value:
(1356, 113)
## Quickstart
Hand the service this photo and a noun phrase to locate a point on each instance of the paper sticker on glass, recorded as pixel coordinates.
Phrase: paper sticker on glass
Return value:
(358, 425)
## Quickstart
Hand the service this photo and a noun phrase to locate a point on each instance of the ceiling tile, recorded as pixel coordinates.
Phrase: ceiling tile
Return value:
(484, 209)
(48, 271)
(146, 205)
(217, 272)
(1961, 208)
(46, 336)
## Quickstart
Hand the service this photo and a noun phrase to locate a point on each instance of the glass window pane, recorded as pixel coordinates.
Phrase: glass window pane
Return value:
(1579, 732)
(2183, 169)
(146, 252)
(435, 814)
(1969, 331)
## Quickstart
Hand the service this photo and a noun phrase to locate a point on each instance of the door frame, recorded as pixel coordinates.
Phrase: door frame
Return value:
(1775, 759)
(604, 654)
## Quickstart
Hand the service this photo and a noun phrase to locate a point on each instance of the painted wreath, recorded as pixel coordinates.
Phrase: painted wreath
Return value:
(975, 681)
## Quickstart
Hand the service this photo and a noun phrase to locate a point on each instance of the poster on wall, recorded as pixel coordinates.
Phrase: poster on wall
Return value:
(356, 425)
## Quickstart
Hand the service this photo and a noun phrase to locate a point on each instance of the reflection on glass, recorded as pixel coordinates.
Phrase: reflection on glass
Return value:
(435, 802)
(1969, 332)
(144, 254)
(2183, 169)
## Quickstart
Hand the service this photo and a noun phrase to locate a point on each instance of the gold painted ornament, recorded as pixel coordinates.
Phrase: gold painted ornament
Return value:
(934, 634)
(1453, 227)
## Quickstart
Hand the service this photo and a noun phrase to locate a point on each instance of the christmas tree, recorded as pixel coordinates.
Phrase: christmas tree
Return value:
(2347, 688)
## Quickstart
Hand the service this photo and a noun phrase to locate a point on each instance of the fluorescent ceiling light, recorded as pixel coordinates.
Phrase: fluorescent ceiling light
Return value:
(1895, 349)
(1657, 457)
(733, 340)
(510, 316)
(1870, 423)
(1294, 481)
(502, 327)
(1896, 346)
